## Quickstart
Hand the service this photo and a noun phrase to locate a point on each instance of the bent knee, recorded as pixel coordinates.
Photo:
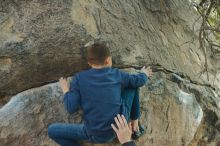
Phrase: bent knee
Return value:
(52, 130)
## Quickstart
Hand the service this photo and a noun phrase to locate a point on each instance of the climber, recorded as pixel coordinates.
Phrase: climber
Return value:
(123, 131)
(102, 92)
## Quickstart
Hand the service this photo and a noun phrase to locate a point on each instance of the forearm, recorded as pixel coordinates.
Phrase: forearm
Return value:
(138, 80)
(69, 103)
(65, 91)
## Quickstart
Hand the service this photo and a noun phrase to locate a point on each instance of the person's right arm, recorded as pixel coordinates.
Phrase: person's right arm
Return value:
(136, 80)
(71, 94)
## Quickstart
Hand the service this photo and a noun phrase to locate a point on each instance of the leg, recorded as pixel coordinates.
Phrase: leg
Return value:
(135, 109)
(67, 134)
(131, 110)
(131, 103)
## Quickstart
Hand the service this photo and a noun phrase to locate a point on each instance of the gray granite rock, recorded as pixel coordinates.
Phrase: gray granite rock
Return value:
(42, 40)
(172, 113)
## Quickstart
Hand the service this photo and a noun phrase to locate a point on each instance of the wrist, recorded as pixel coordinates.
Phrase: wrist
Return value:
(65, 91)
(144, 72)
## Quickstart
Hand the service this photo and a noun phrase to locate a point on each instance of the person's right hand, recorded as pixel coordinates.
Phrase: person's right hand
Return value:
(123, 131)
(147, 71)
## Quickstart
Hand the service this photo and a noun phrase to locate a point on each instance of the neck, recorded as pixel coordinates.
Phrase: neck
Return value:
(99, 66)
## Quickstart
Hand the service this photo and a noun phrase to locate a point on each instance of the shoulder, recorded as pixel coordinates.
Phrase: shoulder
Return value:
(117, 71)
(80, 73)
(77, 75)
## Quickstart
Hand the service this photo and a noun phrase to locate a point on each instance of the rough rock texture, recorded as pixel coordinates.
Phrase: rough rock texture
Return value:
(41, 40)
(170, 114)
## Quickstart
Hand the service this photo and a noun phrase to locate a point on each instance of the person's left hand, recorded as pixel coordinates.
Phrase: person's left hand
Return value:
(64, 85)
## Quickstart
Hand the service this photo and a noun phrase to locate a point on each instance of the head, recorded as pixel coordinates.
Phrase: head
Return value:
(98, 55)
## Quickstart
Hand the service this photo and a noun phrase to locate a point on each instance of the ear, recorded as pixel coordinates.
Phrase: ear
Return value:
(89, 64)
(108, 60)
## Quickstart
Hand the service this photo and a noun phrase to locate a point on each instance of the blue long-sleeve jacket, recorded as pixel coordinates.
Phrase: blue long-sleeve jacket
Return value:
(98, 93)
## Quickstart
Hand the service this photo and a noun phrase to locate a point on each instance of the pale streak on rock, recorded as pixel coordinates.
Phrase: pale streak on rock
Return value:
(5, 64)
(82, 15)
(7, 34)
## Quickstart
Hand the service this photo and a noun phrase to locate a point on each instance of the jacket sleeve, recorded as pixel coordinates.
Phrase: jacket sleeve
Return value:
(130, 143)
(72, 97)
(133, 80)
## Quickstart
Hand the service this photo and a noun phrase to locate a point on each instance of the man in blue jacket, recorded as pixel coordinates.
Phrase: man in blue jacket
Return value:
(102, 92)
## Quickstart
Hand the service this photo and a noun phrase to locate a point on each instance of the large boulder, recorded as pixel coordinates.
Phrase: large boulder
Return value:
(43, 40)
(170, 110)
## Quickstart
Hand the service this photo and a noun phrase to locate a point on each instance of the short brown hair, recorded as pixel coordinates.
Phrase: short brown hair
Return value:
(97, 53)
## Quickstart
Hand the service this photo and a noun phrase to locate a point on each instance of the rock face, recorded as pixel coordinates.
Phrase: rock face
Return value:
(41, 41)
(175, 112)
(170, 114)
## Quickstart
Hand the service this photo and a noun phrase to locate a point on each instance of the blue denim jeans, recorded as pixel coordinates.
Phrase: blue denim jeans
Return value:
(67, 134)
(71, 134)
(131, 103)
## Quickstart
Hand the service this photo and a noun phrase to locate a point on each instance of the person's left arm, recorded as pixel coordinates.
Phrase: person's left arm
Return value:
(71, 94)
